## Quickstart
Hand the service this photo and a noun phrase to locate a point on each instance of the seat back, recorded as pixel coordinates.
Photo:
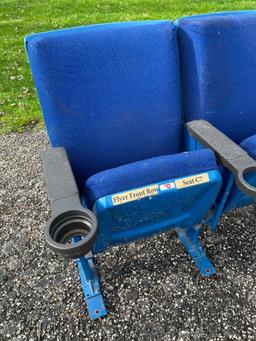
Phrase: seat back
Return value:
(218, 62)
(109, 93)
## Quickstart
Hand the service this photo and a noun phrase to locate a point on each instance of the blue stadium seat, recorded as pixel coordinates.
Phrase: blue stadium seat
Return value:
(110, 96)
(218, 75)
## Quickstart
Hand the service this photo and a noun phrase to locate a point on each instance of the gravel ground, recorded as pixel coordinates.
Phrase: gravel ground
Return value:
(152, 290)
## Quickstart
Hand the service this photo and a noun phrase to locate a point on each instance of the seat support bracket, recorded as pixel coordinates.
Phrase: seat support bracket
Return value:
(91, 286)
(191, 242)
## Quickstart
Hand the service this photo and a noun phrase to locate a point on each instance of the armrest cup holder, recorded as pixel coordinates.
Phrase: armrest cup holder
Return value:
(63, 229)
(241, 182)
(229, 154)
(72, 229)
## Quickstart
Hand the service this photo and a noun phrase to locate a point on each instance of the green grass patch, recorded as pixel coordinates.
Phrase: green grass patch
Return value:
(19, 106)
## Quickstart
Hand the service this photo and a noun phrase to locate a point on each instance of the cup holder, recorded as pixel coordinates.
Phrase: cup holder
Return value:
(242, 183)
(62, 229)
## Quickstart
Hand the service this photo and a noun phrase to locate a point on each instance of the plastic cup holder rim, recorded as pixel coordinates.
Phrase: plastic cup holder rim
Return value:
(69, 224)
(242, 183)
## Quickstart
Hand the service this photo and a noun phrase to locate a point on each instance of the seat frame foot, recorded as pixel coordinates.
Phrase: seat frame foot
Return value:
(91, 287)
(190, 239)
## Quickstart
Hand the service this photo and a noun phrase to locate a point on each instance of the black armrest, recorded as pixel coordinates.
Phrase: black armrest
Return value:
(232, 156)
(69, 220)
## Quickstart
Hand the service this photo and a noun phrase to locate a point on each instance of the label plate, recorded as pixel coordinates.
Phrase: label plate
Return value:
(192, 180)
(136, 194)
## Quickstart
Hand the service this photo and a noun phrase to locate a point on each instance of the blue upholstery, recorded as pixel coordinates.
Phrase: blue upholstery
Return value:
(148, 171)
(249, 145)
(109, 93)
(218, 59)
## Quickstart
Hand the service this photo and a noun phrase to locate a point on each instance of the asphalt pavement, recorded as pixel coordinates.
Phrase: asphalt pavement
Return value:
(151, 288)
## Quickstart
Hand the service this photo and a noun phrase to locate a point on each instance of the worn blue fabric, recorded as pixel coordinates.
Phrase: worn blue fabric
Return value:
(148, 172)
(249, 145)
(109, 93)
(218, 67)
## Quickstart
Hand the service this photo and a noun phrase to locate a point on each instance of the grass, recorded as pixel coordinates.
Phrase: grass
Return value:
(19, 106)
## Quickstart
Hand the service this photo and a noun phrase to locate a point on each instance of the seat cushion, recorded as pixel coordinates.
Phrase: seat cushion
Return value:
(147, 172)
(109, 93)
(250, 146)
(218, 67)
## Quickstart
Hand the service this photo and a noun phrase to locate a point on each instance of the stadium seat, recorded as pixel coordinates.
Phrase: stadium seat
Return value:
(111, 103)
(218, 76)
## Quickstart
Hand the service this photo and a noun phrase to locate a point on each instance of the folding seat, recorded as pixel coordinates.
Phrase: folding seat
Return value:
(218, 76)
(117, 171)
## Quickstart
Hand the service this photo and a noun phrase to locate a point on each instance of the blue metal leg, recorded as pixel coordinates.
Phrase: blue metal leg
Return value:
(190, 240)
(90, 285)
